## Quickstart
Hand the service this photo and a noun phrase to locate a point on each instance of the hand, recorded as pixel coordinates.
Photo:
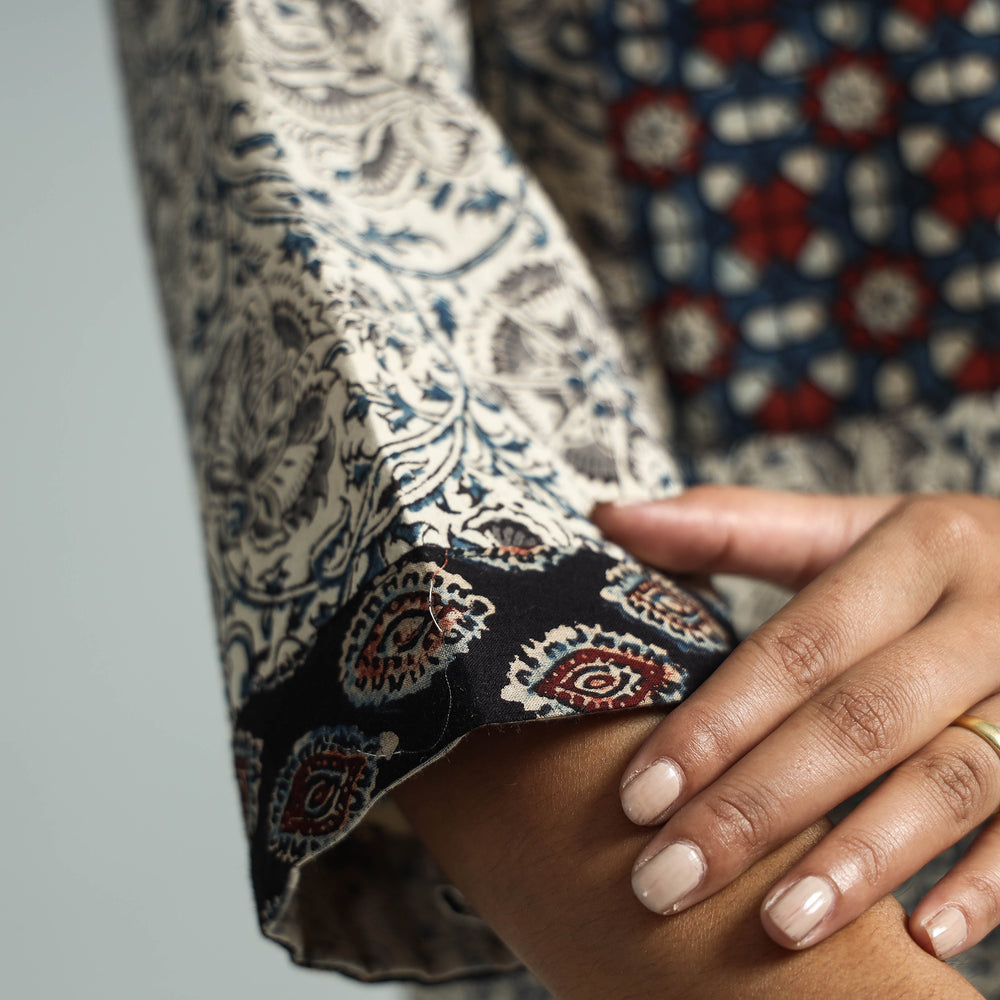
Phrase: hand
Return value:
(893, 633)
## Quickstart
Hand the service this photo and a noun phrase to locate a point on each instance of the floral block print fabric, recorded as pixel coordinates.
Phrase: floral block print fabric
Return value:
(428, 269)
(404, 393)
(816, 193)
(806, 192)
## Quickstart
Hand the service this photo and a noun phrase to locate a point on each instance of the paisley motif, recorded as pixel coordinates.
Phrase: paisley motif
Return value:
(650, 597)
(325, 783)
(412, 624)
(589, 669)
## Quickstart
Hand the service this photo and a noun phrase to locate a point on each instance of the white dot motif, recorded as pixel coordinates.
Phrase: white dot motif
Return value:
(853, 98)
(886, 301)
(691, 338)
(658, 135)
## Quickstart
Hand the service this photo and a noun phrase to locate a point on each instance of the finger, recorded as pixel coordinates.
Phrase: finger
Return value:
(786, 538)
(879, 590)
(965, 905)
(928, 803)
(878, 714)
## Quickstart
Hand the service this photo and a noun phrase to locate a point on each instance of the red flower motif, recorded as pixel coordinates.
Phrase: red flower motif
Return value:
(883, 302)
(655, 135)
(801, 407)
(967, 180)
(695, 339)
(928, 10)
(979, 372)
(770, 220)
(735, 29)
(851, 99)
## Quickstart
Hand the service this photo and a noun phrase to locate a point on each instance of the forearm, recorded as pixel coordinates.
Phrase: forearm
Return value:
(526, 821)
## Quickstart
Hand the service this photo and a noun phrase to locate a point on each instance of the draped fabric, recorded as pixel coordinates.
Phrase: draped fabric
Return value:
(404, 394)
(428, 271)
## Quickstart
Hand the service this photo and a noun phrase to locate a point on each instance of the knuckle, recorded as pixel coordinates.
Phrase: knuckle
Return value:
(939, 524)
(961, 780)
(711, 736)
(797, 652)
(984, 631)
(865, 721)
(870, 858)
(985, 886)
(741, 819)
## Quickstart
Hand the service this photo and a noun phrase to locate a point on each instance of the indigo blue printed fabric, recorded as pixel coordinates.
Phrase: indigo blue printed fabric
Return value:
(439, 275)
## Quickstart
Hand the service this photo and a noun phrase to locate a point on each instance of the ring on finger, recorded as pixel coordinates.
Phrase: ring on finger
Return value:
(981, 728)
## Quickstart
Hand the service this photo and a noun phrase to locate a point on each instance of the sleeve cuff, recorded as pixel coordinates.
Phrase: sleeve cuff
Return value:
(439, 644)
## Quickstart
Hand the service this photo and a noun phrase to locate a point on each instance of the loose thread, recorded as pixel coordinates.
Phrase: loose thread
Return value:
(430, 592)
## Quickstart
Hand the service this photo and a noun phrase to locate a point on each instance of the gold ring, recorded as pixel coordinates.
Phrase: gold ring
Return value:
(982, 728)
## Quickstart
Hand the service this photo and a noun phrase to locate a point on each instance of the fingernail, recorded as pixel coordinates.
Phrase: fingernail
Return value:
(947, 930)
(646, 796)
(666, 878)
(798, 911)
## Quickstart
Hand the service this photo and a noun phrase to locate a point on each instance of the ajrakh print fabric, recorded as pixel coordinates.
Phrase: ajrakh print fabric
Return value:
(807, 193)
(439, 276)
(816, 188)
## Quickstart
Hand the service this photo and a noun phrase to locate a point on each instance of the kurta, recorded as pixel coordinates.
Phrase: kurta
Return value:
(437, 280)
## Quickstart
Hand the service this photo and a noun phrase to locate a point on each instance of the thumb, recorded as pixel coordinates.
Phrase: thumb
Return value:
(787, 538)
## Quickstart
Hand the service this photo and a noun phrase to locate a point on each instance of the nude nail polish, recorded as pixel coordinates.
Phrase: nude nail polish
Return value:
(947, 930)
(647, 795)
(666, 878)
(799, 910)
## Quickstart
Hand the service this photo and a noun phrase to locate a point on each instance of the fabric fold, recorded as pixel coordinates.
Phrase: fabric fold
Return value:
(438, 645)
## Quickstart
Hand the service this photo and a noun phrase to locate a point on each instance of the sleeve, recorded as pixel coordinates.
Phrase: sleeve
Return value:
(403, 393)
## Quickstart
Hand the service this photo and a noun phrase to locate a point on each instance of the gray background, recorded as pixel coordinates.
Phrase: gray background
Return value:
(123, 871)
